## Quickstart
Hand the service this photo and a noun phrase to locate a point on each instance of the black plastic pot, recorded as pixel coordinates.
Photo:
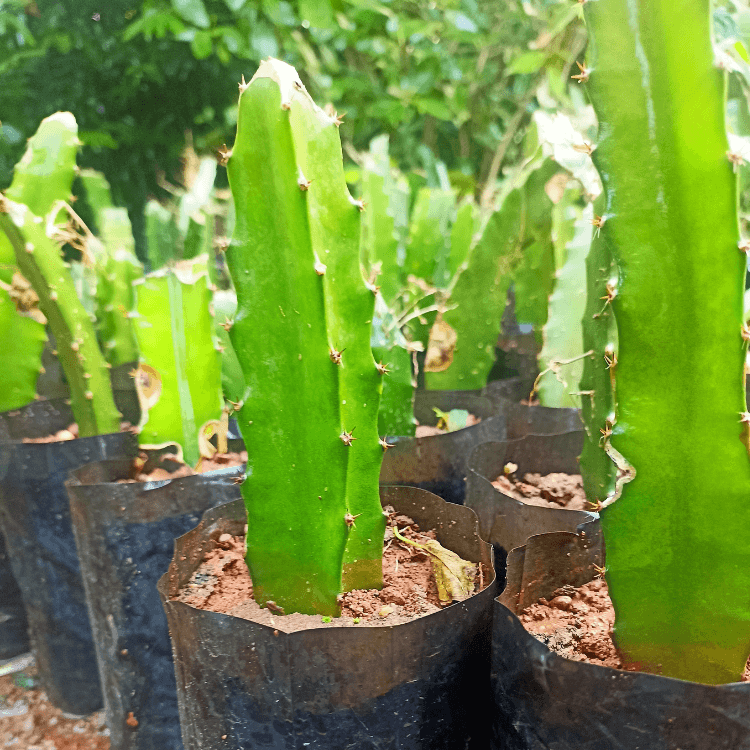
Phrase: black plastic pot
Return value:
(438, 463)
(543, 700)
(14, 638)
(505, 521)
(421, 685)
(125, 535)
(35, 519)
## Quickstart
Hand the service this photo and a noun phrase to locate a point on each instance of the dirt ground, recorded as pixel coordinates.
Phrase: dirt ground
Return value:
(28, 721)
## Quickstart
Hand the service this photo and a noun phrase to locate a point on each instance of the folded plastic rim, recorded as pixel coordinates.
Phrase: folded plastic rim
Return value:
(421, 685)
(543, 700)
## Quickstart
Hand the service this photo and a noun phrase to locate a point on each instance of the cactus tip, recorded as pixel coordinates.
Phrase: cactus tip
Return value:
(320, 268)
(382, 369)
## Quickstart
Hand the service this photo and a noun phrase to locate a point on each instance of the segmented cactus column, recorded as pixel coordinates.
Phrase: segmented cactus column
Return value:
(678, 558)
(43, 177)
(302, 336)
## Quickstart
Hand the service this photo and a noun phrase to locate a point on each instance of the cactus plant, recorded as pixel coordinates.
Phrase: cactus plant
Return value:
(476, 302)
(302, 337)
(39, 260)
(677, 556)
(41, 179)
(179, 377)
(117, 269)
(562, 356)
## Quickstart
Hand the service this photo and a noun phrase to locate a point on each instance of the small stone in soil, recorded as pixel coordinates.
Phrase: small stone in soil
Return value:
(581, 629)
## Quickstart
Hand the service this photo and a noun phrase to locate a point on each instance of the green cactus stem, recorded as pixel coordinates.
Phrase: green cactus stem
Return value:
(179, 377)
(98, 195)
(162, 235)
(22, 339)
(678, 561)
(44, 175)
(560, 359)
(117, 269)
(232, 379)
(39, 260)
(391, 349)
(309, 417)
(385, 222)
(476, 303)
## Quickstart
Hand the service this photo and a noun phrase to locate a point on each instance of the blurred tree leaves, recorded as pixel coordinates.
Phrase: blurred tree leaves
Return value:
(448, 75)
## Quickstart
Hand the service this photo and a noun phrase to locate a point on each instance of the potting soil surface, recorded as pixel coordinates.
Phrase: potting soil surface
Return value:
(549, 490)
(222, 584)
(28, 721)
(426, 430)
(577, 624)
(219, 461)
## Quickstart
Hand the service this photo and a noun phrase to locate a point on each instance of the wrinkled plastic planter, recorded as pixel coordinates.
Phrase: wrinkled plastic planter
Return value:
(544, 701)
(35, 519)
(438, 463)
(125, 535)
(14, 638)
(505, 521)
(422, 685)
(521, 419)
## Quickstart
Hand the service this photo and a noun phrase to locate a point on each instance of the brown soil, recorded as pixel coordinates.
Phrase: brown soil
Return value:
(219, 461)
(28, 721)
(426, 430)
(222, 584)
(577, 624)
(70, 433)
(549, 490)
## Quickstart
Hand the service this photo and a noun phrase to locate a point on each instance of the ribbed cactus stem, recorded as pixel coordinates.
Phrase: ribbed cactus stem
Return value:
(301, 334)
(179, 378)
(678, 561)
(40, 261)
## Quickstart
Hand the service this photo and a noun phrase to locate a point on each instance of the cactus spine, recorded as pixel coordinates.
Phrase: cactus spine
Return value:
(678, 562)
(309, 416)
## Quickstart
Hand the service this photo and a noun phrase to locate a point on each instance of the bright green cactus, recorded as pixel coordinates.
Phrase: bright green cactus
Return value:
(162, 235)
(302, 337)
(385, 222)
(22, 338)
(561, 359)
(39, 260)
(117, 269)
(678, 561)
(98, 193)
(41, 179)
(475, 303)
(179, 377)
(396, 415)
(232, 379)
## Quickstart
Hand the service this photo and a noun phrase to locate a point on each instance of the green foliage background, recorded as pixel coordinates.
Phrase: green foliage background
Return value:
(449, 79)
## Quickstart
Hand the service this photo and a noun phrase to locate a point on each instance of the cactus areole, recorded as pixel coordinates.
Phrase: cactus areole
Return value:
(678, 549)
(309, 420)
